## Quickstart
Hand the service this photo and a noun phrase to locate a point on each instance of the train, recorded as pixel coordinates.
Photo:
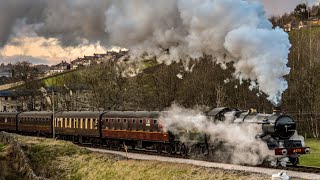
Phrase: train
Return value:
(145, 130)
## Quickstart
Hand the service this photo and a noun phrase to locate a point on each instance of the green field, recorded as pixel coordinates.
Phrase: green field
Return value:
(312, 159)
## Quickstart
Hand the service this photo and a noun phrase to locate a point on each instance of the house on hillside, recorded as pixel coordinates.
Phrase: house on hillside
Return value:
(313, 21)
(8, 101)
(5, 72)
(294, 24)
(84, 62)
(76, 63)
(99, 58)
(63, 66)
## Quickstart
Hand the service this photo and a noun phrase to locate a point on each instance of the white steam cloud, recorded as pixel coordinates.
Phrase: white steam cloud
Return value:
(231, 31)
(243, 147)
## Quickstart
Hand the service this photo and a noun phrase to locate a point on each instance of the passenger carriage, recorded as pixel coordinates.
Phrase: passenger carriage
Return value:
(82, 127)
(8, 121)
(35, 123)
(137, 128)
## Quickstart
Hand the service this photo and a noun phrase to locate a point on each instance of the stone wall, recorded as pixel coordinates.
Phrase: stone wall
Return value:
(18, 156)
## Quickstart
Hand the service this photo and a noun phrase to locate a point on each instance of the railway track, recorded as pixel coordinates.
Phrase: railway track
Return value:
(302, 169)
(306, 169)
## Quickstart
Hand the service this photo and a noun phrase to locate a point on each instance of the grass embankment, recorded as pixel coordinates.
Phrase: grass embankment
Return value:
(6, 167)
(64, 160)
(312, 159)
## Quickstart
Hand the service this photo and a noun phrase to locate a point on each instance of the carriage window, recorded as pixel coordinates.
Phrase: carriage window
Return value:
(68, 122)
(118, 124)
(72, 123)
(64, 121)
(134, 125)
(96, 124)
(112, 124)
(125, 125)
(106, 124)
(147, 124)
(91, 123)
(155, 125)
(76, 125)
(60, 122)
(140, 125)
(79, 123)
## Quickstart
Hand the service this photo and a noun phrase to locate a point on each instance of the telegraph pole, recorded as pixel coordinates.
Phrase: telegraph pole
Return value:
(53, 121)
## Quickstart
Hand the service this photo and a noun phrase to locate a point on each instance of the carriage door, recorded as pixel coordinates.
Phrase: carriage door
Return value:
(134, 125)
(147, 124)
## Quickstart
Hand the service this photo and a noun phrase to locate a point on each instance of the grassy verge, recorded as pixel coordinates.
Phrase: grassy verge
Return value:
(312, 159)
(6, 166)
(1, 147)
(64, 160)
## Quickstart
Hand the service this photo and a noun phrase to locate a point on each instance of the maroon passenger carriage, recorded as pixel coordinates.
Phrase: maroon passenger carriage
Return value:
(8, 121)
(134, 128)
(35, 123)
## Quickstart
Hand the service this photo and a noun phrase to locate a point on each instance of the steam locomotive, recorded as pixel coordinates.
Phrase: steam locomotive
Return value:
(144, 130)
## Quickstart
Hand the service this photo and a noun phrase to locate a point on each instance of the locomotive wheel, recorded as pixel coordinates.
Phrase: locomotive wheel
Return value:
(168, 149)
(294, 161)
(75, 139)
(184, 150)
(159, 148)
(108, 144)
(117, 145)
(80, 139)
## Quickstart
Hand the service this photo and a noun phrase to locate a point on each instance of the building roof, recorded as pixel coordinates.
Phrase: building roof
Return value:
(88, 57)
(7, 94)
(63, 63)
(313, 19)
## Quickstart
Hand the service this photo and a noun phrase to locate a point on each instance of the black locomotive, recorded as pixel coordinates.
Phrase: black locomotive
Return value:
(143, 129)
(277, 130)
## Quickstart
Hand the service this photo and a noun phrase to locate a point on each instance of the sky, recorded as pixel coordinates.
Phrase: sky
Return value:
(278, 7)
(26, 44)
